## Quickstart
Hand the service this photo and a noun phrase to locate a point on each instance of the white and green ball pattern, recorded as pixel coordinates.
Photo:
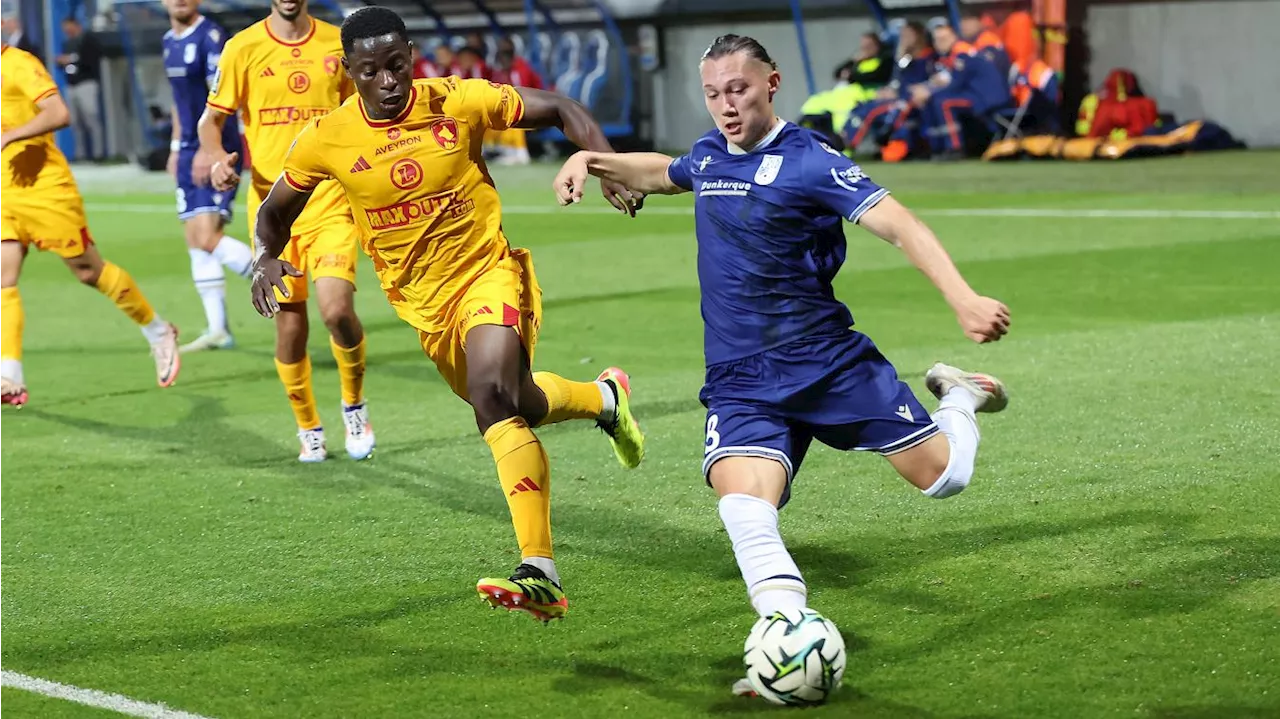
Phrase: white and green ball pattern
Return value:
(795, 658)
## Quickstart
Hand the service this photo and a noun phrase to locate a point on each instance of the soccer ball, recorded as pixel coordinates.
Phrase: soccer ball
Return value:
(794, 657)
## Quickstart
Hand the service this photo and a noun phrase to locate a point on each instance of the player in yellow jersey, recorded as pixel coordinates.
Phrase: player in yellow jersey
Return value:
(42, 207)
(408, 155)
(278, 74)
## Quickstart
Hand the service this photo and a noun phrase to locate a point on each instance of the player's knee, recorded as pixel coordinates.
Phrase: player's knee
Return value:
(341, 320)
(492, 401)
(952, 477)
(206, 238)
(86, 272)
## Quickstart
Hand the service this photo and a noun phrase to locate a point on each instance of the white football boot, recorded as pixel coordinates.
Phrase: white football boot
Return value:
(991, 393)
(210, 340)
(313, 449)
(360, 439)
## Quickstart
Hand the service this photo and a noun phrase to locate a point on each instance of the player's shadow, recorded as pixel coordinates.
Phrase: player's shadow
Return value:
(314, 636)
(1215, 712)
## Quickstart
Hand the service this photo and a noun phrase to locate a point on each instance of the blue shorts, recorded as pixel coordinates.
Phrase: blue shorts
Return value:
(835, 388)
(195, 199)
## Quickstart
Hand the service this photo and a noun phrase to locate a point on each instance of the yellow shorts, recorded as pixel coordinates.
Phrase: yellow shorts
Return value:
(52, 219)
(325, 251)
(506, 295)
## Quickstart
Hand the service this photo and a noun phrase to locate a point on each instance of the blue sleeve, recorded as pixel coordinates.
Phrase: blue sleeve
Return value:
(679, 173)
(835, 183)
(213, 42)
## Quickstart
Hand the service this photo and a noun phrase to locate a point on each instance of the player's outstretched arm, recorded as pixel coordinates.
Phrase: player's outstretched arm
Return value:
(982, 318)
(641, 171)
(544, 109)
(53, 115)
(212, 160)
(275, 224)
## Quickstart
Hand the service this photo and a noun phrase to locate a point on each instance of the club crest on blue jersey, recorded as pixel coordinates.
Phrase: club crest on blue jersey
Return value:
(768, 170)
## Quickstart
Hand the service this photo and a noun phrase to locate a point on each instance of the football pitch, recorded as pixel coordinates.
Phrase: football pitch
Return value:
(1117, 554)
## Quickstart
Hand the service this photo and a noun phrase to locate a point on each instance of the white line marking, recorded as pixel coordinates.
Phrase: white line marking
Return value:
(93, 697)
(958, 212)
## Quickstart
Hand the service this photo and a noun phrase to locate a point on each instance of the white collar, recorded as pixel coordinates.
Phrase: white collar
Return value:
(768, 140)
(185, 33)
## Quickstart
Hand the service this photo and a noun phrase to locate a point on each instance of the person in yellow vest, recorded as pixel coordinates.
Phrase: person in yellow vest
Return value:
(856, 82)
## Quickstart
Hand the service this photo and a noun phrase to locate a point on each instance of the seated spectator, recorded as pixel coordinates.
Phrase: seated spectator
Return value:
(974, 30)
(512, 69)
(422, 67)
(470, 63)
(511, 147)
(868, 68)
(970, 85)
(1037, 88)
(889, 119)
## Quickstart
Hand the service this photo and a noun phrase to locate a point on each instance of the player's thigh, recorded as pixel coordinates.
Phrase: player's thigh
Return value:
(52, 219)
(297, 288)
(529, 301)
(740, 431)
(12, 253)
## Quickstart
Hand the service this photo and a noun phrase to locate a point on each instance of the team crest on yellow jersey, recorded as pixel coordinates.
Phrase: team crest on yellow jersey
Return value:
(446, 132)
(330, 65)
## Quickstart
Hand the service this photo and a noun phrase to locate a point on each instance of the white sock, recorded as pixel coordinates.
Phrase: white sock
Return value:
(157, 331)
(11, 369)
(773, 580)
(610, 406)
(207, 273)
(234, 255)
(956, 420)
(546, 564)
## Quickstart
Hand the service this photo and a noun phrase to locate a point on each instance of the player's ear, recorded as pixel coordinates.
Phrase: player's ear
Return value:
(775, 81)
(346, 65)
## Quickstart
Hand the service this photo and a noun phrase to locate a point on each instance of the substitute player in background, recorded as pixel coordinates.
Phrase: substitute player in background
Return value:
(408, 156)
(783, 365)
(280, 73)
(191, 50)
(42, 207)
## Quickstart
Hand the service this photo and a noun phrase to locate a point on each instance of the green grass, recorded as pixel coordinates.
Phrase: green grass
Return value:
(1118, 554)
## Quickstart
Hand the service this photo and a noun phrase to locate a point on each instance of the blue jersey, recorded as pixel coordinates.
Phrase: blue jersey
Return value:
(190, 62)
(770, 232)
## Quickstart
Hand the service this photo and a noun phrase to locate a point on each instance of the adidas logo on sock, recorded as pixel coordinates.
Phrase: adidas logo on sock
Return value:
(524, 485)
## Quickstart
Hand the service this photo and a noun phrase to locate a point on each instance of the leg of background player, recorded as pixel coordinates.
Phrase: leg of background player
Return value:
(15, 389)
(111, 280)
(210, 251)
(294, 368)
(750, 489)
(346, 340)
(496, 365)
(943, 465)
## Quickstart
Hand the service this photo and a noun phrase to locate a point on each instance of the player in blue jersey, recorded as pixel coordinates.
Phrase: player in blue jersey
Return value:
(783, 365)
(191, 50)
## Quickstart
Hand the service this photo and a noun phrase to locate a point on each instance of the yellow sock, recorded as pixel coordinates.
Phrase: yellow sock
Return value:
(296, 378)
(525, 475)
(567, 399)
(117, 285)
(351, 370)
(11, 324)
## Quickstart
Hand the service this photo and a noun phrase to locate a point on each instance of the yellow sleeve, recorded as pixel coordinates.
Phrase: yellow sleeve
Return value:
(34, 79)
(304, 166)
(489, 104)
(227, 94)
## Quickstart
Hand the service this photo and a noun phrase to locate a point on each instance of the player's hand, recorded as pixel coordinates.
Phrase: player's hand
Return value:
(171, 165)
(571, 179)
(623, 199)
(223, 173)
(983, 319)
(269, 274)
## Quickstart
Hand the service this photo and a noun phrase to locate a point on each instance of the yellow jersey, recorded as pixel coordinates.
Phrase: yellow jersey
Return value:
(34, 163)
(277, 87)
(427, 209)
